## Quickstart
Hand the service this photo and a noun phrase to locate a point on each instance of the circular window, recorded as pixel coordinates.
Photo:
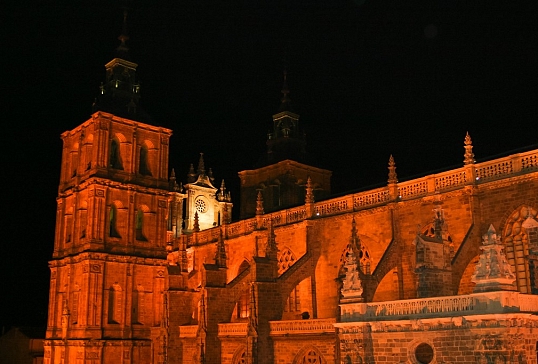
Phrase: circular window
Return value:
(201, 206)
(424, 353)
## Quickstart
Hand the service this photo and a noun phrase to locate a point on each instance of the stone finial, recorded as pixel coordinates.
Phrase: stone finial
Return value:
(221, 196)
(468, 156)
(201, 165)
(393, 178)
(220, 255)
(196, 225)
(259, 204)
(493, 272)
(173, 182)
(271, 250)
(253, 312)
(225, 215)
(191, 175)
(309, 198)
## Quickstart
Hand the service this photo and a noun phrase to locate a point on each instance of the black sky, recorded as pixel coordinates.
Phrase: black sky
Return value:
(369, 79)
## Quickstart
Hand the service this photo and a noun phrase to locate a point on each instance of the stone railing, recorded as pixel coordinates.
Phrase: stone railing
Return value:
(502, 167)
(445, 181)
(298, 327)
(473, 304)
(295, 214)
(233, 329)
(451, 179)
(371, 198)
(188, 331)
(334, 206)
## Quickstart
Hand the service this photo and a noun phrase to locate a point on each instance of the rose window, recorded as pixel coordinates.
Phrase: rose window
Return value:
(201, 206)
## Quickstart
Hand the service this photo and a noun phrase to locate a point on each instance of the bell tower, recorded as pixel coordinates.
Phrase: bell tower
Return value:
(282, 172)
(114, 215)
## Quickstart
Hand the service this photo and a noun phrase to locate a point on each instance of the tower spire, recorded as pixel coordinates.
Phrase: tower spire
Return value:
(123, 50)
(201, 165)
(120, 93)
(286, 101)
(286, 140)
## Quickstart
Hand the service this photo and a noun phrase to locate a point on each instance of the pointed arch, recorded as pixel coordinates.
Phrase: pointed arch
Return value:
(365, 261)
(389, 287)
(309, 355)
(516, 245)
(240, 355)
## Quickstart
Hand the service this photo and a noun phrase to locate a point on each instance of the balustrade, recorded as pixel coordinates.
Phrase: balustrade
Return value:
(296, 327)
(473, 304)
(233, 329)
(188, 331)
(486, 171)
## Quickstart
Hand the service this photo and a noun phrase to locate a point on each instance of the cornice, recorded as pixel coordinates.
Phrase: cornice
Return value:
(106, 257)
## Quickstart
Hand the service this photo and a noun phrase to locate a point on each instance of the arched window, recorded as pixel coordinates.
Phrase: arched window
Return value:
(243, 306)
(143, 162)
(115, 155)
(138, 305)
(516, 246)
(139, 226)
(115, 299)
(113, 223)
(240, 357)
(293, 303)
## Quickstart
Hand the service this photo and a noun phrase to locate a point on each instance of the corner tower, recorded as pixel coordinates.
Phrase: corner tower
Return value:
(282, 172)
(114, 216)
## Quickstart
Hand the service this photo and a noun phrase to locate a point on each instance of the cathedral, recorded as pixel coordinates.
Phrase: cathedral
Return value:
(149, 267)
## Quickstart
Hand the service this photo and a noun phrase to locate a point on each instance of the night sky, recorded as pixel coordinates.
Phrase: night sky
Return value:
(369, 78)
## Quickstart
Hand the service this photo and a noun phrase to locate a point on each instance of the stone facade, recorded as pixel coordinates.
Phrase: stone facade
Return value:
(399, 274)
